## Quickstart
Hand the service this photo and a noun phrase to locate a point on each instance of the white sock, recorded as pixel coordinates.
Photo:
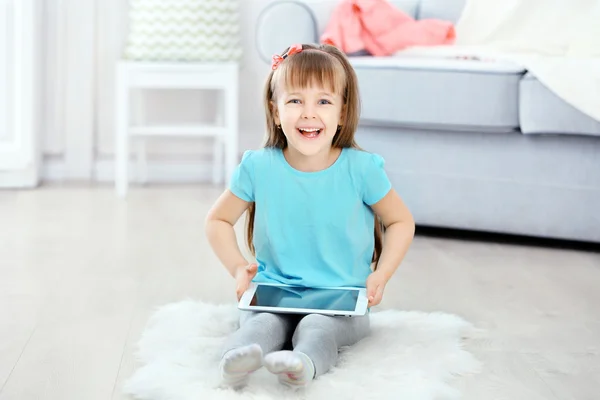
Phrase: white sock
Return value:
(237, 364)
(293, 368)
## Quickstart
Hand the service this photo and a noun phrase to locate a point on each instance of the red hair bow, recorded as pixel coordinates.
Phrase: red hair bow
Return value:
(277, 59)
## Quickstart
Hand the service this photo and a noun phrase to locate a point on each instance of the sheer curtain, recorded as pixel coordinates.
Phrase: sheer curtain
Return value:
(69, 29)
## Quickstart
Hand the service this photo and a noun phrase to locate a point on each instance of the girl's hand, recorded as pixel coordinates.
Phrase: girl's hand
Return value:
(375, 285)
(243, 277)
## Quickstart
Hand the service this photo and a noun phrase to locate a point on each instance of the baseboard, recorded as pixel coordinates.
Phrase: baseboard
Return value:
(158, 171)
(53, 170)
(20, 179)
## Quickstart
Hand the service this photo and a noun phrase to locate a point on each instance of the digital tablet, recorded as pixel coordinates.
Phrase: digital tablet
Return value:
(279, 298)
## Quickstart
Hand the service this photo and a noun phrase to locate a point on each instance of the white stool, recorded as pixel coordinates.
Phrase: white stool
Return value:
(152, 75)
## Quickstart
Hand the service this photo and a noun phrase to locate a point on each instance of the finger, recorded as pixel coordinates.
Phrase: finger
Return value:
(240, 289)
(251, 267)
(373, 302)
(252, 270)
(371, 292)
(379, 294)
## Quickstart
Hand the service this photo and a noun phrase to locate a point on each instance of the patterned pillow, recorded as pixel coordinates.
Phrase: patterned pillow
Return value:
(184, 30)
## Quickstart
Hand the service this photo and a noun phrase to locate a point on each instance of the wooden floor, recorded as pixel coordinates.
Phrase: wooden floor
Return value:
(81, 271)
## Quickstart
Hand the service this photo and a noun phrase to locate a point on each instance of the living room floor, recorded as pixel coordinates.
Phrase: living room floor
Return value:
(81, 271)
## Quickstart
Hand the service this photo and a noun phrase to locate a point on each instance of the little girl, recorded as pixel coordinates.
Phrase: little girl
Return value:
(316, 204)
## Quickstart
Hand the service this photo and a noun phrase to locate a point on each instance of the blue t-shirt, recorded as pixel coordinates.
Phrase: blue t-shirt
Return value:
(312, 228)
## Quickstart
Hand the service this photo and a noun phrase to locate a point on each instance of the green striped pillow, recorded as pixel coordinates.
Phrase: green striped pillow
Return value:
(184, 30)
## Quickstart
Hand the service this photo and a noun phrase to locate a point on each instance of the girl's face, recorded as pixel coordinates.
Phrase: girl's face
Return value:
(309, 118)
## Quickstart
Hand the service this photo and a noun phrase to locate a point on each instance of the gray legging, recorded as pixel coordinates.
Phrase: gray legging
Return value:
(318, 336)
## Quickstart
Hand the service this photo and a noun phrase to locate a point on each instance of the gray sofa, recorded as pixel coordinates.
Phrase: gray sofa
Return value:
(469, 145)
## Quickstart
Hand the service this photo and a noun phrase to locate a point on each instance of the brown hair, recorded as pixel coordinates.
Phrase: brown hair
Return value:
(321, 65)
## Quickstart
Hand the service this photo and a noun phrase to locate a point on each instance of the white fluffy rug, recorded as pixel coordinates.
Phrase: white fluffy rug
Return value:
(409, 356)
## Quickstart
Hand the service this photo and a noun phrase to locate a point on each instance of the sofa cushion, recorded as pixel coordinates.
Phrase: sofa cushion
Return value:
(447, 10)
(459, 94)
(541, 111)
(281, 24)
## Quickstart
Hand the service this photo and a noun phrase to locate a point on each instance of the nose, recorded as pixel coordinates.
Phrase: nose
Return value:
(309, 111)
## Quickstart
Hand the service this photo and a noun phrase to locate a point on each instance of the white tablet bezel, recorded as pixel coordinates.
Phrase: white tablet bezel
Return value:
(360, 309)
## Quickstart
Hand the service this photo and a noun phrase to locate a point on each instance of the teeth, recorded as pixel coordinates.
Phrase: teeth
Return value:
(310, 129)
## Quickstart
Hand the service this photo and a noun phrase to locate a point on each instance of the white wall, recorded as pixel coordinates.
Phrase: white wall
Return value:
(83, 41)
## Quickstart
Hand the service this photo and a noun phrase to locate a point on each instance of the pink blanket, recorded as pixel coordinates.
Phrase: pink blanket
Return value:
(381, 29)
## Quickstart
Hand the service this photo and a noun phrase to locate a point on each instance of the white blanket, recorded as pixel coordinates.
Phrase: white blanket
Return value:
(558, 41)
(409, 355)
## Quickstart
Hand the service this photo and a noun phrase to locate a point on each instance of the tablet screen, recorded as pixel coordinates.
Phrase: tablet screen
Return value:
(300, 297)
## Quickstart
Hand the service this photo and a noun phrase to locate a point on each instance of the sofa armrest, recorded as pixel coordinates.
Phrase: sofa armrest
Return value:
(283, 23)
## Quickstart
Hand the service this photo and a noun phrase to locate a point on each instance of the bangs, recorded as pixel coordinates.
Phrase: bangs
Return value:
(312, 68)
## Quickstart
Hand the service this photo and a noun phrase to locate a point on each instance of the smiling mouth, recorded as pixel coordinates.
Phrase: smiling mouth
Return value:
(310, 133)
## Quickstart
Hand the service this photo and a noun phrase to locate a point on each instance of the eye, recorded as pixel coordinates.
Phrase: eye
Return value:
(294, 101)
(324, 101)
